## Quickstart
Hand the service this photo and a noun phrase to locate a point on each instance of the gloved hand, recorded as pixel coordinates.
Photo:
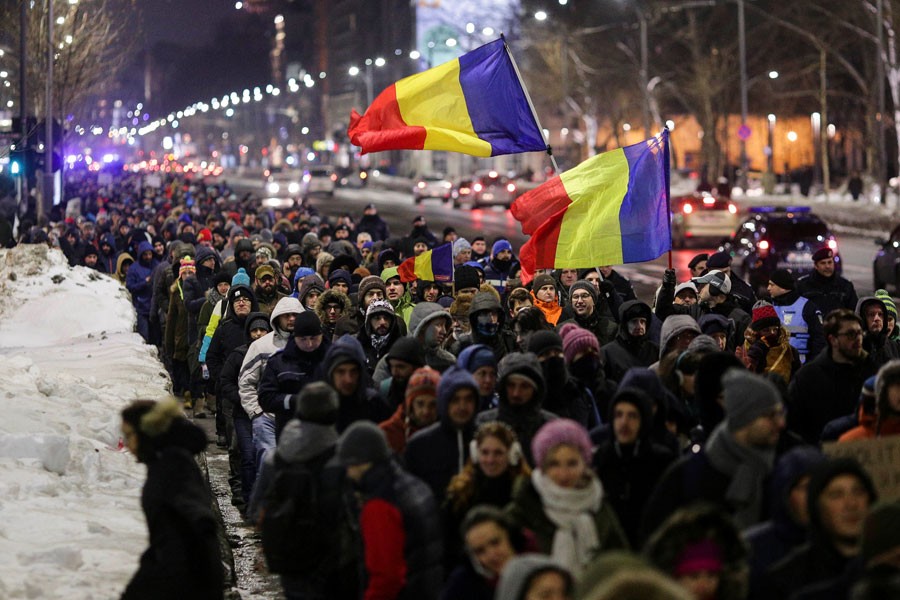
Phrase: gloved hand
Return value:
(669, 278)
(607, 288)
(757, 354)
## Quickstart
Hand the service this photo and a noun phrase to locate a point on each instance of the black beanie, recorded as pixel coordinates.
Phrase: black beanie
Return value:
(362, 442)
(317, 403)
(222, 277)
(258, 320)
(544, 340)
(409, 350)
(307, 324)
(466, 277)
(783, 279)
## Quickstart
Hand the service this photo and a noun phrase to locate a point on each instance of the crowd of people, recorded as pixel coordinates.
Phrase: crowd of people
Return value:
(492, 438)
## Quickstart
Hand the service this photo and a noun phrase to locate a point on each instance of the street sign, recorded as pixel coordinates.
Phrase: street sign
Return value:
(744, 132)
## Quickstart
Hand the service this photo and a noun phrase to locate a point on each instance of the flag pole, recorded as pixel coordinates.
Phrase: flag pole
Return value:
(530, 103)
(666, 158)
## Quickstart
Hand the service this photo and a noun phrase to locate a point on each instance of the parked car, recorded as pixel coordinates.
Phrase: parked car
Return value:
(886, 266)
(432, 186)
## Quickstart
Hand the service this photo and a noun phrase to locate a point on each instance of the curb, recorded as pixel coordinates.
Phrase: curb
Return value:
(229, 581)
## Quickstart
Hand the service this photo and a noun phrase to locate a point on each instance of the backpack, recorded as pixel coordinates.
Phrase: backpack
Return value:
(295, 537)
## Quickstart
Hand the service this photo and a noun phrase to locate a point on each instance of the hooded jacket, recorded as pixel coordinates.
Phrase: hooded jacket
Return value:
(504, 341)
(373, 354)
(441, 450)
(878, 345)
(627, 351)
(229, 334)
(524, 419)
(365, 403)
(232, 267)
(258, 354)
(231, 370)
(107, 260)
(332, 296)
(672, 327)
(521, 570)
(422, 315)
(138, 280)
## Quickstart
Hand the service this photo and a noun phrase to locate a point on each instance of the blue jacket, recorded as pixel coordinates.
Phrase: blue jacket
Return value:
(139, 281)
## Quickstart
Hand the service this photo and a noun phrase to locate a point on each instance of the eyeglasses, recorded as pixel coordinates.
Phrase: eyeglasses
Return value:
(852, 334)
(242, 301)
(580, 297)
(332, 308)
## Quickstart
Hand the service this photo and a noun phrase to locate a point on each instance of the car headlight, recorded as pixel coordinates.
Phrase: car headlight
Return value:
(272, 187)
(294, 187)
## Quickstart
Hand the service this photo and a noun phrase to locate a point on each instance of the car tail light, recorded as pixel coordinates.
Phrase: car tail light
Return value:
(763, 247)
(334, 177)
(363, 174)
(732, 208)
(510, 187)
(463, 191)
(833, 245)
(687, 209)
(477, 187)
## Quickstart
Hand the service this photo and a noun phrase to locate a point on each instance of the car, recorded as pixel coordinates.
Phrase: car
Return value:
(886, 266)
(773, 238)
(432, 186)
(702, 216)
(281, 189)
(493, 189)
(319, 180)
(462, 191)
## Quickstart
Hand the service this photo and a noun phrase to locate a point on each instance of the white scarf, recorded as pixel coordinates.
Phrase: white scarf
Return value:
(572, 510)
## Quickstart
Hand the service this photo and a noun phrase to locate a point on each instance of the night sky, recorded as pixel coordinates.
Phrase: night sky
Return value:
(184, 22)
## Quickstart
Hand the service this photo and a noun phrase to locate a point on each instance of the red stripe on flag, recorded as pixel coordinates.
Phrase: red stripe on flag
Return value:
(383, 127)
(541, 212)
(407, 270)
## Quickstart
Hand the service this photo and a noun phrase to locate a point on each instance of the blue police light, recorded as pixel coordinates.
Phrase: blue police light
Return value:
(798, 209)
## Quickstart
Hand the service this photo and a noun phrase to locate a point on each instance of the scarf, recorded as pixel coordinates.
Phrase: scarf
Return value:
(749, 468)
(213, 296)
(572, 511)
(378, 341)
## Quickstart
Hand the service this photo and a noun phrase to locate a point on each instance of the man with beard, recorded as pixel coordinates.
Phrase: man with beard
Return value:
(430, 324)
(824, 286)
(416, 412)
(288, 371)
(379, 333)
(873, 312)
(569, 399)
(588, 313)
(344, 369)
(631, 348)
(487, 325)
(404, 357)
(828, 386)
(293, 260)
(267, 294)
(138, 283)
(497, 269)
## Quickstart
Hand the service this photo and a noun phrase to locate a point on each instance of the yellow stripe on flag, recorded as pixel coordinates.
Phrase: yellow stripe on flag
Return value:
(423, 266)
(434, 99)
(590, 234)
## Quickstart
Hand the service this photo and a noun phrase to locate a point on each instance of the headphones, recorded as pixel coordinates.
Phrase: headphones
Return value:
(514, 454)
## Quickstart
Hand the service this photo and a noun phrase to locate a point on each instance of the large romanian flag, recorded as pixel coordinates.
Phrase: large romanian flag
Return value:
(431, 265)
(611, 209)
(474, 104)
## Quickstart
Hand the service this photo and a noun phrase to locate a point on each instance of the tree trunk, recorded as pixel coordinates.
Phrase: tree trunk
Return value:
(823, 123)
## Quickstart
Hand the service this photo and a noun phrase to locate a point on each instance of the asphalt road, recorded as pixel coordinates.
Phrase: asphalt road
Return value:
(398, 209)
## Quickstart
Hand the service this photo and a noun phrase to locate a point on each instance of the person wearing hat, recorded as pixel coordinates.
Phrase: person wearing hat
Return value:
(487, 325)
(396, 292)
(799, 315)
(839, 496)
(404, 357)
(891, 318)
(632, 346)
(286, 372)
(344, 369)
(741, 291)
(431, 324)
(309, 288)
(827, 386)
(417, 411)
(466, 279)
(697, 265)
(686, 293)
(501, 264)
(873, 312)
(590, 309)
(718, 328)
(462, 252)
(379, 333)
(880, 416)
(824, 286)
(332, 306)
(266, 288)
(90, 257)
(732, 467)
(398, 519)
(372, 223)
(544, 296)
(570, 399)
(767, 344)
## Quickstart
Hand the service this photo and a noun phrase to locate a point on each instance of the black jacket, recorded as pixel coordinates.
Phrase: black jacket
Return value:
(366, 404)
(286, 373)
(829, 293)
(626, 351)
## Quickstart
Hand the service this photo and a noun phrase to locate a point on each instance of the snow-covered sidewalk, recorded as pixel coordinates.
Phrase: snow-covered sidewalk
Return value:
(70, 519)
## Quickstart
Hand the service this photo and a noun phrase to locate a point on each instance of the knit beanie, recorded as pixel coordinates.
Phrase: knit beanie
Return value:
(186, 265)
(307, 324)
(703, 344)
(317, 402)
(367, 284)
(764, 315)
(544, 340)
(542, 280)
(577, 340)
(339, 275)
(881, 531)
(409, 350)
(583, 285)
(362, 442)
(390, 273)
(466, 277)
(557, 433)
(888, 301)
(221, 277)
(258, 320)
(500, 246)
(747, 397)
(379, 306)
(241, 278)
(423, 382)
(476, 356)
(783, 279)
(459, 245)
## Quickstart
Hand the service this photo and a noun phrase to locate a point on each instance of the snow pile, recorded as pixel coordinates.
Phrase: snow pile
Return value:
(70, 519)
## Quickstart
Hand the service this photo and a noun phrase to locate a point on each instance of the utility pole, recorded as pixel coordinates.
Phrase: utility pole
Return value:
(882, 141)
(742, 48)
(48, 106)
(22, 188)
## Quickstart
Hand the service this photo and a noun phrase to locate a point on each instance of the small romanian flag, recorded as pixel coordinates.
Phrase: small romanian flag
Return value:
(431, 265)
(474, 104)
(611, 209)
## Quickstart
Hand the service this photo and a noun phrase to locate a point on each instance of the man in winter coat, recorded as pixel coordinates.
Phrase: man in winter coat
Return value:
(499, 266)
(788, 524)
(631, 348)
(441, 450)
(839, 496)
(344, 369)
(404, 357)
(741, 291)
(678, 331)
(252, 368)
(372, 223)
(570, 398)
(398, 519)
(301, 362)
(732, 468)
(828, 386)
(800, 315)
(430, 324)
(138, 282)
(825, 287)
(629, 463)
(380, 332)
(873, 312)
(416, 412)
(522, 390)
(590, 310)
(396, 292)
(487, 321)
(885, 418)
(244, 258)
(266, 288)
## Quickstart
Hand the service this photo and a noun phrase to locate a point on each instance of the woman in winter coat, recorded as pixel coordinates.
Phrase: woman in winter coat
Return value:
(494, 468)
(183, 559)
(562, 502)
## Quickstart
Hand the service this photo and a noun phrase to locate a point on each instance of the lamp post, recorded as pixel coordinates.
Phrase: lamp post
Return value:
(742, 50)
(769, 181)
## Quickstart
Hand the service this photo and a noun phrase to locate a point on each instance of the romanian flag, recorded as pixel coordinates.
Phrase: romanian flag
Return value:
(431, 265)
(611, 209)
(474, 104)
